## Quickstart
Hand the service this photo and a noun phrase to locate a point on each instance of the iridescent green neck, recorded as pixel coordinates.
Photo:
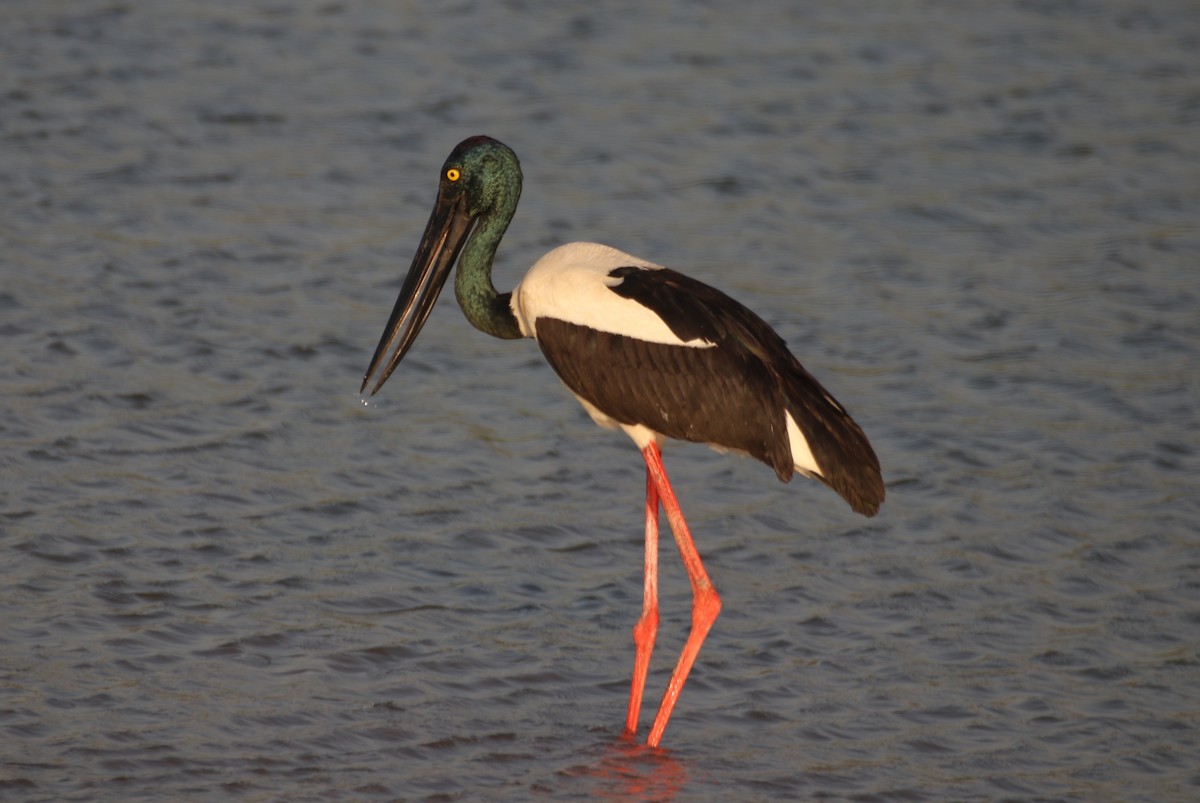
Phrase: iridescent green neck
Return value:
(486, 309)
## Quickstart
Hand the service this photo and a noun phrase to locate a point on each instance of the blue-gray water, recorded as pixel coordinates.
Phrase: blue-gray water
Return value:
(225, 578)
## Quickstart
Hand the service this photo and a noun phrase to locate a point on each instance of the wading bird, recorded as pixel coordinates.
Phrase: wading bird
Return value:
(646, 350)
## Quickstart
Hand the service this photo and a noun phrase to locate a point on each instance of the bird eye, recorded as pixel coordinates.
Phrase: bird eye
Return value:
(453, 174)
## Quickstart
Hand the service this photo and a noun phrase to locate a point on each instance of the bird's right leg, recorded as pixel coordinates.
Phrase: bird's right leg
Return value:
(646, 629)
(706, 604)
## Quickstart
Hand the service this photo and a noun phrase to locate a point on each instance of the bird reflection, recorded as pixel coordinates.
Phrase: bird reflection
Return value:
(627, 770)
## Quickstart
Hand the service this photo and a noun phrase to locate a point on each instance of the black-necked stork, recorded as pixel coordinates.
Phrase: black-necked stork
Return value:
(646, 350)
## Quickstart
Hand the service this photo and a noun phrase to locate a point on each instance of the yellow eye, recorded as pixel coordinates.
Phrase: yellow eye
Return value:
(453, 175)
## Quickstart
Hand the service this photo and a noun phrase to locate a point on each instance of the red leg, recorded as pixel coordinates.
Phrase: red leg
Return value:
(706, 605)
(646, 629)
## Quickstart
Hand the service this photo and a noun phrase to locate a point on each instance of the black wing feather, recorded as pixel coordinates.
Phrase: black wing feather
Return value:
(733, 394)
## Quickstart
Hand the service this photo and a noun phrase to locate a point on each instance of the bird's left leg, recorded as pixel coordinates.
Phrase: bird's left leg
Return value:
(646, 629)
(706, 604)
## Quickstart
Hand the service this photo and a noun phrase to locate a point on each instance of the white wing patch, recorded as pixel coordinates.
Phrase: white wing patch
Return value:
(802, 456)
(571, 283)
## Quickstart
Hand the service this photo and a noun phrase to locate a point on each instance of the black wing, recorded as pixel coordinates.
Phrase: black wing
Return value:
(734, 394)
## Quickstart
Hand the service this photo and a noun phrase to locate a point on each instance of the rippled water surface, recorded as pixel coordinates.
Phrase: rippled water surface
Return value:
(226, 578)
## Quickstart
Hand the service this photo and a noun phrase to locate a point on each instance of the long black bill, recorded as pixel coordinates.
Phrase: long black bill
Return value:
(444, 236)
